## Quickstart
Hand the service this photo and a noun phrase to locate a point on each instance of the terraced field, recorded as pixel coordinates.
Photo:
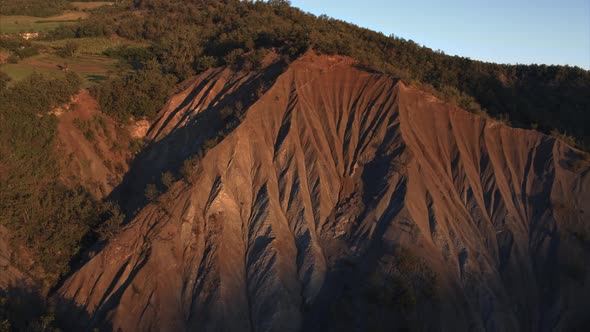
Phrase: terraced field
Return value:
(91, 68)
(20, 24)
(92, 46)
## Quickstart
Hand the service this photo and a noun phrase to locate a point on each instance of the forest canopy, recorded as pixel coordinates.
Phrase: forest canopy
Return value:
(39, 8)
(192, 35)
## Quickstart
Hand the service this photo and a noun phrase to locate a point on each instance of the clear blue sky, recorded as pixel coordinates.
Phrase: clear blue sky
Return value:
(503, 31)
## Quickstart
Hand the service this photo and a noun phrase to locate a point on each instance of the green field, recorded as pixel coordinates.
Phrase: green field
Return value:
(92, 69)
(92, 46)
(20, 24)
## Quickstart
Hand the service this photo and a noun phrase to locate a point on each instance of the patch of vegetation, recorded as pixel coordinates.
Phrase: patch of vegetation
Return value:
(401, 280)
(136, 56)
(68, 50)
(18, 47)
(86, 128)
(151, 192)
(199, 34)
(92, 69)
(93, 46)
(23, 309)
(114, 222)
(19, 72)
(4, 80)
(187, 169)
(43, 214)
(38, 8)
(145, 92)
(168, 179)
(135, 145)
(569, 140)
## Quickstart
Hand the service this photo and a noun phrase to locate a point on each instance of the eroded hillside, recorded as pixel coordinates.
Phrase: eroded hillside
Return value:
(345, 200)
(95, 149)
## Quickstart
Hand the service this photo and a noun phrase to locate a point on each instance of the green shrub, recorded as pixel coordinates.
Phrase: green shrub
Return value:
(234, 57)
(401, 280)
(256, 58)
(4, 80)
(205, 62)
(145, 92)
(168, 179)
(151, 192)
(135, 145)
(187, 169)
(13, 58)
(136, 56)
(113, 224)
(68, 50)
(569, 140)
(100, 122)
(86, 128)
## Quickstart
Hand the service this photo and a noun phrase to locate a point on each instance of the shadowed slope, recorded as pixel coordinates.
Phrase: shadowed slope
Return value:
(210, 105)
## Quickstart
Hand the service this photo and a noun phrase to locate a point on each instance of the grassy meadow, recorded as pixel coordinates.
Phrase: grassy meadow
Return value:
(20, 24)
(91, 46)
(91, 68)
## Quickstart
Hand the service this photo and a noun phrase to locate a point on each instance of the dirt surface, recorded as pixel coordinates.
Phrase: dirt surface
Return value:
(346, 200)
(94, 147)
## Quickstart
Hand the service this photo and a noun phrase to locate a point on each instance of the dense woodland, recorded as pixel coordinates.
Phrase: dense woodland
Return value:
(186, 37)
(40, 8)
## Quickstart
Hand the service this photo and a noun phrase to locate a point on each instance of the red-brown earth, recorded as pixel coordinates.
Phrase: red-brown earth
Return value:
(342, 199)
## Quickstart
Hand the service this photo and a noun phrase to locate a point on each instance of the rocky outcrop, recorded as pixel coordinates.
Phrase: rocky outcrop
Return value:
(346, 200)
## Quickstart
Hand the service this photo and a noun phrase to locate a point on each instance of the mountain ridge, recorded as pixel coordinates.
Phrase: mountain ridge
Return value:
(336, 174)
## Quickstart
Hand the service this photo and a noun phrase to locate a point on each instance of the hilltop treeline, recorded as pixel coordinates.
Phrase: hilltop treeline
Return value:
(39, 8)
(191, 35)
(44, 215)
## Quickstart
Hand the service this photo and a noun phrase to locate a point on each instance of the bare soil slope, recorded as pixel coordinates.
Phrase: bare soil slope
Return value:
(94, 147)
(345, 200)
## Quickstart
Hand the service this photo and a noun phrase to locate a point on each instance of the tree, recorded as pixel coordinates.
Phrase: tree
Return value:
(112, 226)
(145, 92)
(205, 62)
(168, 179)
(69, 49)
(151, 192)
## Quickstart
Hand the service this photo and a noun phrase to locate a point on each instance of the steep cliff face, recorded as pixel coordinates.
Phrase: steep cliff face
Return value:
(344, 199)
